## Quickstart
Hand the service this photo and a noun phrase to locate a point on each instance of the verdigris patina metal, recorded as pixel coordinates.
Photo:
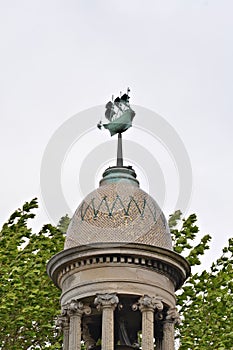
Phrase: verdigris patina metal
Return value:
(120, 116)
(119, 113)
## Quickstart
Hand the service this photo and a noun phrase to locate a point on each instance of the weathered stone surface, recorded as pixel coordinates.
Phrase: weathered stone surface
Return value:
(150, 303)
(75, 310)
(118, 212)
(126, 269)
(168, 341)
(107, 303)
(63, 323)
(147, 305)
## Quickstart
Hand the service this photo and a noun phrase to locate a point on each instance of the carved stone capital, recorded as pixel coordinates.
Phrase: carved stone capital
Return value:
(108, 300)
(150, 303)
(173, 316)
(64, 310)
(62, 322)
(77, 308)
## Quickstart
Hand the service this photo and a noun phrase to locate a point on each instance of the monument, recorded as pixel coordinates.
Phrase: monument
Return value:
(118, 272)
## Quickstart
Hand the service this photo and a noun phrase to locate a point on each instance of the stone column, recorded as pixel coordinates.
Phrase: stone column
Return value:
(147, 305)
(63, 323)
(172, 317)
(75, 310)
(107, 303)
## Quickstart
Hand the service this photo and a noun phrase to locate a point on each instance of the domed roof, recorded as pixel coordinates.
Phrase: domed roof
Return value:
(118, 211)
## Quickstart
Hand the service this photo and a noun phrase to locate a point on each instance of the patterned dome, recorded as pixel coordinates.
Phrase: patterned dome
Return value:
(119, 211)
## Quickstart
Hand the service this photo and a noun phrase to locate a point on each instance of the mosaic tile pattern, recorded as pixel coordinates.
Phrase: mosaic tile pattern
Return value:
(118, 212)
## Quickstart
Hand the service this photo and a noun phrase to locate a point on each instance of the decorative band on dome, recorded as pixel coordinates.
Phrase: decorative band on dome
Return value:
(113, 206)
(119, 211)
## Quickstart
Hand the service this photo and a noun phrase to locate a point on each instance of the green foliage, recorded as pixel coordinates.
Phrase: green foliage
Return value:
(206, 300)
(183, 238)
(63, 223)
(28, 299)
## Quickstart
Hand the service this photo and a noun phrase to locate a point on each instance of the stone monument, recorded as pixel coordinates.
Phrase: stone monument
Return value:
(118, 273)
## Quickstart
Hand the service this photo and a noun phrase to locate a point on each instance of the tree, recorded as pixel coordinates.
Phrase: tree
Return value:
(29, 301)
(63, 223)
(206, 300)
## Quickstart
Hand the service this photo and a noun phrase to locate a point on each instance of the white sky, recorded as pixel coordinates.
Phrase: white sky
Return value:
(58, 58)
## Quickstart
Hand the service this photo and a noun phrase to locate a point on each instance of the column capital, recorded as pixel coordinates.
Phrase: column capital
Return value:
(62, 322)
(172, 316)
(107, 300)
(150, 303)
(76, 308)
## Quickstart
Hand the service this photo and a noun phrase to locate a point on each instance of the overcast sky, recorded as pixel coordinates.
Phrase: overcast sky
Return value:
(58, 58)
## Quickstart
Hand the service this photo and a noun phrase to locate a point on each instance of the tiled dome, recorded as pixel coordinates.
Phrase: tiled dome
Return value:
(119, 211)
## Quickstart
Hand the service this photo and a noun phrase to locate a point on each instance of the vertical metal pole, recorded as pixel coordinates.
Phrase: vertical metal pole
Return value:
(119, 151)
